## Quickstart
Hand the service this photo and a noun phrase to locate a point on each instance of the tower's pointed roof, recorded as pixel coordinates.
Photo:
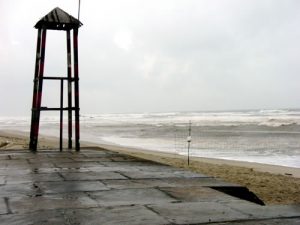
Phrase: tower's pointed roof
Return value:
(58, 19)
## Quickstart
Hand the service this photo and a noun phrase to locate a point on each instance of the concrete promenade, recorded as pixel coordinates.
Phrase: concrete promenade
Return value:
(103, 187)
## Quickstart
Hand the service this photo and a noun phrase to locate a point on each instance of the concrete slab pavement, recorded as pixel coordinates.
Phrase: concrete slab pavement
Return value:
(103, 187)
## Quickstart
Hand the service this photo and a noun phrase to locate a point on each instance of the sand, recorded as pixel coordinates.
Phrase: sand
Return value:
(273, 184)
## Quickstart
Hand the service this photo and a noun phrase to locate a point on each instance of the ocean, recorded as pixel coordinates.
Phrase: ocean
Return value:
(262, 136)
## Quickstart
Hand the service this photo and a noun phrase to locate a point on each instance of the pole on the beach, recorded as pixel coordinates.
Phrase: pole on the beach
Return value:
(189, 140)
(57, 19)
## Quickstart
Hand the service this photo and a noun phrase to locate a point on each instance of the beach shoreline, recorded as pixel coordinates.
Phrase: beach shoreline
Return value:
(273, 184)
(260, 167)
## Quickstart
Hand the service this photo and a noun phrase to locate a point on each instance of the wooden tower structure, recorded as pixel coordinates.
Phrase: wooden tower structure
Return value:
(57, 19)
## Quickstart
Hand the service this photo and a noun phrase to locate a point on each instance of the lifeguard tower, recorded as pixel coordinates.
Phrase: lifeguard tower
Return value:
(57, 19)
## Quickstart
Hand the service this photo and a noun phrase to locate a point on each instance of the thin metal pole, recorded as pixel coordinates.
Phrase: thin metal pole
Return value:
(39, 93)
(76, 80)
(175, 136)
(35, 89)
(61, 114)
(189, 140)
(69, 60)
(78, 9)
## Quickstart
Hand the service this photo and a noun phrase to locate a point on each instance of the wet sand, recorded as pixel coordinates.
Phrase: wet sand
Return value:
(273, 184)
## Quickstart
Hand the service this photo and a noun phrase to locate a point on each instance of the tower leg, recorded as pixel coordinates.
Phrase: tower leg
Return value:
(76, 78)
(61, 114)
(69, 60)
(35, 90)
(39, 92)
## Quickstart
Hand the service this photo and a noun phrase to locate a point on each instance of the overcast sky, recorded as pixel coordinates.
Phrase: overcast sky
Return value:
(158, 55)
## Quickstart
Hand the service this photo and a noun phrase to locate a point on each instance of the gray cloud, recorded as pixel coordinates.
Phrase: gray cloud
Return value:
(169, 55)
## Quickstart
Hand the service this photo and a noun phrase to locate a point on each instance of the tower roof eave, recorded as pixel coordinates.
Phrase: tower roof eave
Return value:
(58, 19)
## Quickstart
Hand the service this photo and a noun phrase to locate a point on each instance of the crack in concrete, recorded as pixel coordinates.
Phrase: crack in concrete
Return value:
(158, 214)
(119, 172)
